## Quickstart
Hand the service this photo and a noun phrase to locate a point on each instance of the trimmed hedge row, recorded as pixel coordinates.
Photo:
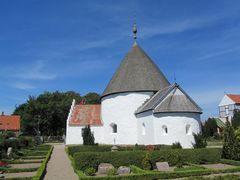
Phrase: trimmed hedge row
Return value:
(151, 175)
(42, 169)
(230, 162)
(84, 160)
(107, 148)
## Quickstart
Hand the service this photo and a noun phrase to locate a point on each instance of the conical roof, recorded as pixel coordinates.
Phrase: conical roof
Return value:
(136, 73)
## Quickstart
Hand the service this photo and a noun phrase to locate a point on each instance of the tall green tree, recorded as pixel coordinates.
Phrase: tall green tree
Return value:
(49, 111)
(87, 135)
(210, 127)
(236, 119)
(230, 143)
(92, 98)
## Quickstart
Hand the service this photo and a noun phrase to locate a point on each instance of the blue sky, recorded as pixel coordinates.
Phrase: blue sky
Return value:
(77, 45)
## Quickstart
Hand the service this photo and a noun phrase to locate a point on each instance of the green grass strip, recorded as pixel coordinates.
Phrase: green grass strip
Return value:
(16, 170)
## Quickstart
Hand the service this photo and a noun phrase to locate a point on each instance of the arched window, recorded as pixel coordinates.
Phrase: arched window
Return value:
(143, 129)
(165, 130)
(114, 127)
(188, 129)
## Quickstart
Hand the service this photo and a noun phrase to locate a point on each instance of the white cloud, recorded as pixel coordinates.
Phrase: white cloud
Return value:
(218, 53)
(22, 86)
(34, 72)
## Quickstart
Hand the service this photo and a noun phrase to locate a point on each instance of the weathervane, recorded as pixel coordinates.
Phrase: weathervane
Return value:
(135, 31)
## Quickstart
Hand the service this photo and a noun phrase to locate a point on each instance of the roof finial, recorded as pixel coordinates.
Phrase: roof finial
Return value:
(135, 31)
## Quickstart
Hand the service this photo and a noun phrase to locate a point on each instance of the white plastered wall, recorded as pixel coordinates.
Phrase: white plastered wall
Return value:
(145, 121)
(176, 126)
(74, 134)
(226, 101)
(120, 109)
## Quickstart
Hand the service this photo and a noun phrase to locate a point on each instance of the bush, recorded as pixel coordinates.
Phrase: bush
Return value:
(176, 145)
(87, 135)
(90, 171)
(112, 172)
(85, 160)
(230, 149)
(146, 162)
(200, 141)
(103, 148)
(14, 143)
(25, 141)
(74, 149)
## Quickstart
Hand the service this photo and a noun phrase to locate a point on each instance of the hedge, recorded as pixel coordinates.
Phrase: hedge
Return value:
(230, 162)
(42, 169)
(149, 175)
(85, 160)
(107, 148)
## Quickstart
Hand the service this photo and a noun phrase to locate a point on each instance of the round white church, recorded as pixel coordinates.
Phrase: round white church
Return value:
(139, 106)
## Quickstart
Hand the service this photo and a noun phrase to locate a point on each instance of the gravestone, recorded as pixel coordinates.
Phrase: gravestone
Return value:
(163, 166)
(123, 170)
(103, 168)
(114, 148)
(9, 151)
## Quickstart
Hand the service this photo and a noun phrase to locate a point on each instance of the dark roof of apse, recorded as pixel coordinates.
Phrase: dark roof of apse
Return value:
(167, 100)
(136, 73)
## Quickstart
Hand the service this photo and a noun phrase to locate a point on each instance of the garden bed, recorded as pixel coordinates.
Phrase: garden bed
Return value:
(199, 162)
(32, 169)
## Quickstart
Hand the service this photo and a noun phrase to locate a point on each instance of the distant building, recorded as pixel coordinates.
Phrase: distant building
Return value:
(139, 106)
(228, 104)
(10, 123)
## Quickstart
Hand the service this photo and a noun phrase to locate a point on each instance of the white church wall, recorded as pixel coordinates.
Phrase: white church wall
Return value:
(119, 109)
(145, 128)
(74, 134)
(176, 124)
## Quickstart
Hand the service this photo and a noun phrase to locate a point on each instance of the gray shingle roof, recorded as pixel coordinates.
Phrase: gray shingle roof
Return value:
(137, 72)
(151, 103)
(170, 100)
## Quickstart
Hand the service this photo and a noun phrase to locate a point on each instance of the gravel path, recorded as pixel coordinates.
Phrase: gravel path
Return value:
(59, 166)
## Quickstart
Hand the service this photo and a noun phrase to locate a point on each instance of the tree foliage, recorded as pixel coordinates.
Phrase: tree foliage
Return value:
(92, 98)
(236, 119)
(210, 127)
(87, 135)
(200, 141)
(49, 110)
(231, 144)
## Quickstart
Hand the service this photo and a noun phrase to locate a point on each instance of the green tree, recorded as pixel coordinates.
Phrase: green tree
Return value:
(87, 135)
(48, 111)
(92, 98)
(236, 119)
(229, 144)
(210, 127)
(200, 141)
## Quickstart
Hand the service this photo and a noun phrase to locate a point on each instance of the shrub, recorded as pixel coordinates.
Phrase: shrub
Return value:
(229, 150)
(14, 143)
(74, 149)
(90, 171)
(103, 148)
(112, 172)
(176, 145)
(25, 141)
(200, 141)
(87, 135)
(146, 162)
(85, 160)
